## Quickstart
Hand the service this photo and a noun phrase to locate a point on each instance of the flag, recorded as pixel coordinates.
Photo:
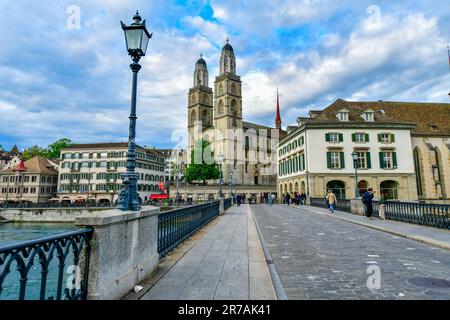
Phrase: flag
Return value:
(161, 187)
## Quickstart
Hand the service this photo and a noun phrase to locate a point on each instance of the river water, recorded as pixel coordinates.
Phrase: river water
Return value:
(15, 232)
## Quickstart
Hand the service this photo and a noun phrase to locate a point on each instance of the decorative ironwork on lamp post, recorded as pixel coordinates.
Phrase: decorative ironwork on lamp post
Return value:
(355, 164)
(136, 37)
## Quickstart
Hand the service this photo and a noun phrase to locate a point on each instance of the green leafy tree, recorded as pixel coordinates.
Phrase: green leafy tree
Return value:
(34, 151)
(54, 150)
(202, 166)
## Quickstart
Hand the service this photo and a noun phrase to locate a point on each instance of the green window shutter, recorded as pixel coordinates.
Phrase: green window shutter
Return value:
(298, 163)
(303, 162)
(327, 137)
(392, 137)
(353, 137)
(341, 137)
(342, 160)
(366, 137)
(329, 160)
(379, 137)
(394, 159)
(369, 161)
(382, 166)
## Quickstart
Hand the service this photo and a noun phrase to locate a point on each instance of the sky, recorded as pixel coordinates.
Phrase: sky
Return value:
(64, 69)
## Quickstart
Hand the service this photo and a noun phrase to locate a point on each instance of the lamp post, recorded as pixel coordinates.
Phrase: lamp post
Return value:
(231, 184)
(220, 159)
(355, 165)
(136, 37)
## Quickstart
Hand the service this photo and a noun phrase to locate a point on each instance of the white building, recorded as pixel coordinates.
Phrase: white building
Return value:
(93, 171)
(317, 154)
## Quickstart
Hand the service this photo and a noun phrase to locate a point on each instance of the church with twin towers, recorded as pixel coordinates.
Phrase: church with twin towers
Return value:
(216, 115)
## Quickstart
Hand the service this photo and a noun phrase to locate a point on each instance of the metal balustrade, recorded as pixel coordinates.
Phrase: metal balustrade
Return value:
(432, 215)
(227, 203)
(49, 268)
(176, 225)
(342, 204)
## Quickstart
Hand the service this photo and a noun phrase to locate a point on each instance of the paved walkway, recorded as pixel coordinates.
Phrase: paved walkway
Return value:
(434, 236)
(322, 256)
(227, 262)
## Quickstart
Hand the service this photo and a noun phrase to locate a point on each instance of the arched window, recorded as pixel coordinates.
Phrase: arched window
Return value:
(233, 106)
(233, 88)
(362, 187)
(338, 188)
(220, 107)
(220, 89)
(418, 170)
(438, 173)
(389, 189)
(205, 119)
(193, 116)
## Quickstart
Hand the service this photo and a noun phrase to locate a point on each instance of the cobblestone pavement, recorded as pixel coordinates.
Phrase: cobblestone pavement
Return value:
(320, 257)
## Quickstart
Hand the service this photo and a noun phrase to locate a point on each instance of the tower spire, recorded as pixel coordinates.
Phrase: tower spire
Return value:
(278, 116)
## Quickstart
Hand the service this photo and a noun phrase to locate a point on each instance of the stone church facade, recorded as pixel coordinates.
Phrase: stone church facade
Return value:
(248, 150)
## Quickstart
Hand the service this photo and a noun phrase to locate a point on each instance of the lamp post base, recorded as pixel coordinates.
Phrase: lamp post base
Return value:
(128, 196)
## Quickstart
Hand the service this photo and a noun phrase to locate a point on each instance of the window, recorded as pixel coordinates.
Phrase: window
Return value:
(388, 160)
(334, 137)
(342, 116)
(335, 160)
(360, 137)
(386, 138)
(368, 116)
(363, 160)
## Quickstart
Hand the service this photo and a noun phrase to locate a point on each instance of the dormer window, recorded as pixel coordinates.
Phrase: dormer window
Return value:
(368, 115)
(342, 115)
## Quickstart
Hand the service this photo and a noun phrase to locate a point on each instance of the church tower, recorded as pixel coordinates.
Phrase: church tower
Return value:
(200, 105)
(228, 112)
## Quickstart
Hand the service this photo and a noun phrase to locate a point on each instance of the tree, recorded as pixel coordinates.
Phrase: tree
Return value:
(54, 149)
(34, 151)
(202, 166)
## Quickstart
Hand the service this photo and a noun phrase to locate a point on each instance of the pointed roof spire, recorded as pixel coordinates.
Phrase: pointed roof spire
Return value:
(21, 166)
(278, 116)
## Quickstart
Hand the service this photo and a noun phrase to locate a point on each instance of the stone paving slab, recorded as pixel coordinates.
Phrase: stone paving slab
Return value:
(318, 256)
(434, 236)
(226, 262)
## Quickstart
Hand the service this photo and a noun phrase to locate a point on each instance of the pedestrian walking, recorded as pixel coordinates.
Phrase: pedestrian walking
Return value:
(272, 199)
(297, 199)
(288, 199)
(238, 199)
(382, 206)
(367, 200)
(303, 198)
(331, 200)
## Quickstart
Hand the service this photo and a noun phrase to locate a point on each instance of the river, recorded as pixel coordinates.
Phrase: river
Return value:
(15, 232)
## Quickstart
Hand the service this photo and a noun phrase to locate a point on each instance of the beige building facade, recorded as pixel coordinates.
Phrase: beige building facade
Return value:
(94, 172)
(393, 142)
(31, 181)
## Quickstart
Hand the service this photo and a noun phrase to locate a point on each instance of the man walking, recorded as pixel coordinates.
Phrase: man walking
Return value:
(238, 199)
(272, 199)
(367, 199)
(331, 200)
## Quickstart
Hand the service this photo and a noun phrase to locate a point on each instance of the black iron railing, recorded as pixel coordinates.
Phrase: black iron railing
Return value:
(342, 204)
(433, 215)
(176, 225)
(227, 203)
(50, 268)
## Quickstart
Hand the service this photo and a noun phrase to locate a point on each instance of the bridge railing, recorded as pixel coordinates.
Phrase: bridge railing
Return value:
(432, 215)
(227, 203)
(49, 268)
(176, 225)
(342, 204)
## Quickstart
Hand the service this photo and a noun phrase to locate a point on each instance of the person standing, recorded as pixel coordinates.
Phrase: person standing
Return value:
(238, 199)
(288, 199)
(303, 198)
(382, 206)
(367, 199)
(331, 200)
(272, 199)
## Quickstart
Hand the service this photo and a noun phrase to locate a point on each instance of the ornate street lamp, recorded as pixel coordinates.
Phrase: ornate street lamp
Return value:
(355, 164)
(136, 37)
(220, 160)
